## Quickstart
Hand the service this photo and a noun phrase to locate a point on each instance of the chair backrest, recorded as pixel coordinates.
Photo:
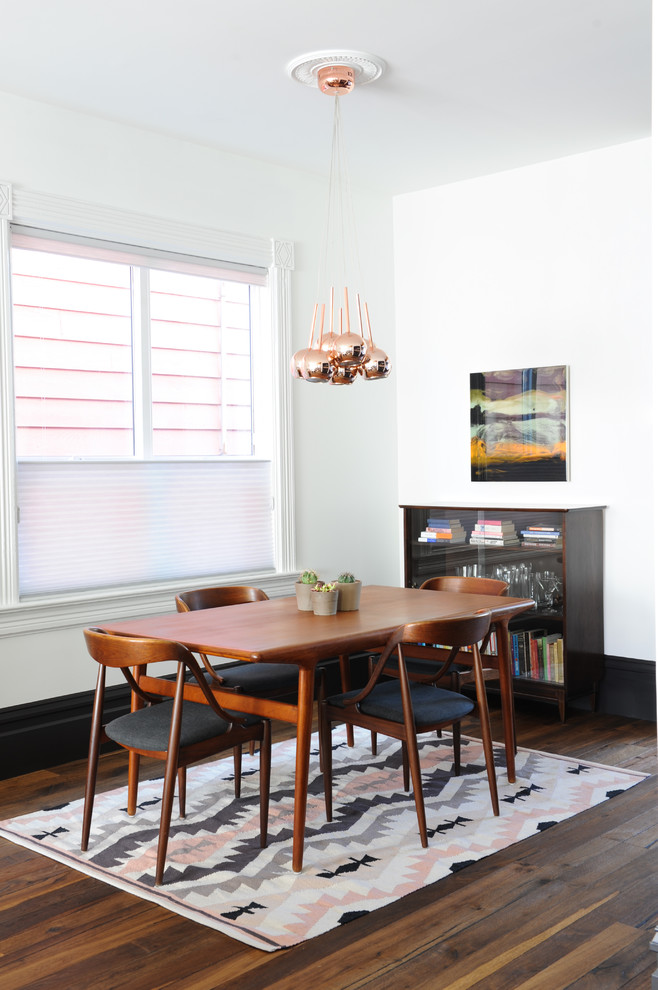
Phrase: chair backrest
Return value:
(465, 585)
(448, 633)
(128, 652)
(199, 598)
(458, 632)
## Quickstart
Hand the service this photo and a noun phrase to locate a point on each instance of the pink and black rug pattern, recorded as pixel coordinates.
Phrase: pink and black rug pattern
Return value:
(369, 856)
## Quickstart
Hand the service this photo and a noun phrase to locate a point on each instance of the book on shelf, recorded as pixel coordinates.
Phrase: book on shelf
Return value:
(542, 544)
(492, 645)
(440, 538)
(522, 655)
(443, 523)
(559, 663)
(488, 527)
(514, 650)
(494, 541)
(433, 538)
(497, 534)
(491, 648)
(535, 534)
(551, 650)
(454, 528)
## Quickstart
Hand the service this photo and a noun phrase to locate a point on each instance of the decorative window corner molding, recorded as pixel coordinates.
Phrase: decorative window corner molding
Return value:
(283, 253)
(5, 201)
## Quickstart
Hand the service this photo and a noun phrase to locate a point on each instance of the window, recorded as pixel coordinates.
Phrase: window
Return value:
(143, 413)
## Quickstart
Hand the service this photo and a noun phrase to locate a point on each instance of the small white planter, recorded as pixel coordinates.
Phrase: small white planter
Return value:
(303, 593)
(325, 602)
(349, 596)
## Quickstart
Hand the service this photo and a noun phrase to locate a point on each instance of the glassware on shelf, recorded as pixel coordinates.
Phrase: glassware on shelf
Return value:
(545, 586)
(547, 591)
(555, 594)
(471, 570)
(517, 576)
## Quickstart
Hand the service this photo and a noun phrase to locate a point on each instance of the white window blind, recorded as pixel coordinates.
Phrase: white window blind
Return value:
(88, 525)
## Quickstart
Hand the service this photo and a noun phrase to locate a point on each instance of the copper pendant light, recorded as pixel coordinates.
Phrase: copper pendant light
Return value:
(341, 354)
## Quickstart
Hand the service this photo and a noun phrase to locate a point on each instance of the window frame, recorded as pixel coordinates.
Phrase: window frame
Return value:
(70, 217)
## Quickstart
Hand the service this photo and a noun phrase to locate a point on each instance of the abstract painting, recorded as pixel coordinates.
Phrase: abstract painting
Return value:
(519, 425)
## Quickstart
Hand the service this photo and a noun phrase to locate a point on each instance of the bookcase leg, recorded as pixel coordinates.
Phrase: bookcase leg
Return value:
(562, 707)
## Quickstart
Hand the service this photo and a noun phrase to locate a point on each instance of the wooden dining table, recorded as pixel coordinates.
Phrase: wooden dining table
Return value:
(275, 631)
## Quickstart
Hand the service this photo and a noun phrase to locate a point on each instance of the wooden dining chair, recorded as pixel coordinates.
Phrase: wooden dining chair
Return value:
(263, 680)
(174, 730)
(259, 679)
(460, 671)
(403, 709)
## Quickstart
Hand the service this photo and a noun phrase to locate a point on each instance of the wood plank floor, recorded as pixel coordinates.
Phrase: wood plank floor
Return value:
(574, 907)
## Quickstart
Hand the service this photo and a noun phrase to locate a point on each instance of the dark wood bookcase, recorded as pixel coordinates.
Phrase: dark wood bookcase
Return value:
(563, 574)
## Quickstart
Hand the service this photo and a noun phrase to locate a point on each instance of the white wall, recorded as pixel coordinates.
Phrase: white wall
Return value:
(538, 266)
(344, 438)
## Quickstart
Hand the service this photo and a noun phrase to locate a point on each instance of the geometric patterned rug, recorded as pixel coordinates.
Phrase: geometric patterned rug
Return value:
(369, 856)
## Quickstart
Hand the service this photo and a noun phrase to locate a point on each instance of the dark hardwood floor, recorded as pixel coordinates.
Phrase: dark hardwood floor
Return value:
(575, 907)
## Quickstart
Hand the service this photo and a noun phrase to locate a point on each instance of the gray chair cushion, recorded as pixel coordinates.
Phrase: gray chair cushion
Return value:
(255, 678)
(426, 668)
(148, 728)
(431, 704)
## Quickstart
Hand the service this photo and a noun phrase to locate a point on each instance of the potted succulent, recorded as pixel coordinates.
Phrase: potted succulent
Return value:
(303, 588)
(349, 592)
(325, 598)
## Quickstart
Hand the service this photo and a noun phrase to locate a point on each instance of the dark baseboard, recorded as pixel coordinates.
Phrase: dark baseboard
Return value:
(628, 688)
(43, 734)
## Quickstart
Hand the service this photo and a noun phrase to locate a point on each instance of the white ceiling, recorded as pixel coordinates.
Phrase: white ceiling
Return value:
(471, 86)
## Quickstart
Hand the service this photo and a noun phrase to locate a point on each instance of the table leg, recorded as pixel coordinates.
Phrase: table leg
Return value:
(346, 685)
(506, 696)
(133, 758)
(305, 693)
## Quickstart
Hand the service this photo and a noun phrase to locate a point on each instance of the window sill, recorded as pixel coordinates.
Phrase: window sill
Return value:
(62, 612)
